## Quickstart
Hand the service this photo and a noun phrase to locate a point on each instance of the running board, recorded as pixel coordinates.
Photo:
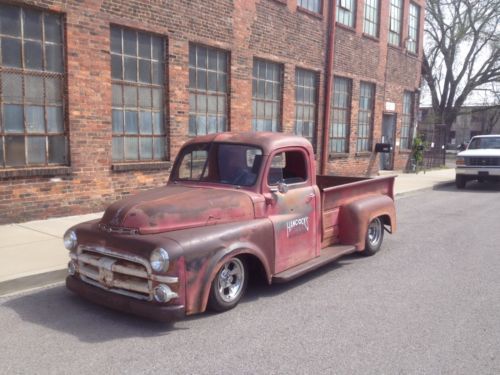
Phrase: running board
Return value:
(327, 255)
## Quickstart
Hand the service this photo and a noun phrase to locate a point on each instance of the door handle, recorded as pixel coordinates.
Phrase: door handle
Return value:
(310, 197)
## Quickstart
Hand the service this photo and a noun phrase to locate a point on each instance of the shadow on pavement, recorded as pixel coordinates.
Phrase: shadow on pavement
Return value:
(261, 289)
(471, 187)
(58, 309)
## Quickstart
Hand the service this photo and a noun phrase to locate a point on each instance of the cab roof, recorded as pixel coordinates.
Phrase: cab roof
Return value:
(267, 141)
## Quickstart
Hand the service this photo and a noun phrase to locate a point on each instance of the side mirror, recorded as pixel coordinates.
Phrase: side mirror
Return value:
(282, 187)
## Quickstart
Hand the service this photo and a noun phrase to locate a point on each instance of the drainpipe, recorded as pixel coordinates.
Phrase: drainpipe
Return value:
(332, 11)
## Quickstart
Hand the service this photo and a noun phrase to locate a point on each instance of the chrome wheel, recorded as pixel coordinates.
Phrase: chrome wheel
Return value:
(375, 233)
(231, 280)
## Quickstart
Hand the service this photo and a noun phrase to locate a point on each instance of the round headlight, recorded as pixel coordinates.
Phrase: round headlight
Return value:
(70, 240)
(159, 260)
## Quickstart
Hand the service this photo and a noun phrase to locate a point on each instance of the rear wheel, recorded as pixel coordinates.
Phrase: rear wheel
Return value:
(374, 237)
(460, 181)
(228, 285)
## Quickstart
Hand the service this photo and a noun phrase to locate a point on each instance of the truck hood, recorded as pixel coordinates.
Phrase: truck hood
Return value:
(178, 207)
(488, 152)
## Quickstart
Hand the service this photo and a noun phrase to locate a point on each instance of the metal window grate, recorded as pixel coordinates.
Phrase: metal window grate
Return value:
(267, 85)
(137, 70)
(365, 117)
(413, 27)
(406, 120)
(396, 12)
(312, 5)
(208, 90)
(346, 12)
(305, 103)
(341, 115)
(33, 129)
(371, 17)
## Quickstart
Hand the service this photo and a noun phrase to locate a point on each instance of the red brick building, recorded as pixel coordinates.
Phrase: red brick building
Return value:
(96, 97)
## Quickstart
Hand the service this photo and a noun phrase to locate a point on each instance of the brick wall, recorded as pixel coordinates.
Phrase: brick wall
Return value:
(274, 30)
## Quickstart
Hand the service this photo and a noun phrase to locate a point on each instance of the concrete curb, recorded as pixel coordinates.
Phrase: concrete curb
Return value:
(31, 282)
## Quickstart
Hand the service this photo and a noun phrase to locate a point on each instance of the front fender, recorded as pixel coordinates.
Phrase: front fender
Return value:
(206, 248)
(355, 217)
(222, 256)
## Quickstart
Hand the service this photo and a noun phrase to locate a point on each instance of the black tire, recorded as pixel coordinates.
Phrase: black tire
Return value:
(460, 181)
(481, 180)
(229, 285)
(374, 237)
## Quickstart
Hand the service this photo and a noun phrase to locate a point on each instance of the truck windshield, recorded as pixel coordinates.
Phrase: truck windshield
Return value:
(224, 163)
(484, 142)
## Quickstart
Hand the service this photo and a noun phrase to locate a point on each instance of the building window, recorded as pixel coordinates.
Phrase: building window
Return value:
(406, 121)
(312, 5)
(266, 96)
(370, 24)
(346, 12)
(413, 28)
(365, 117)
(208, 90)
(137, 71)
(32, 74)
(341, 115)
(395, 22)
(305, 104)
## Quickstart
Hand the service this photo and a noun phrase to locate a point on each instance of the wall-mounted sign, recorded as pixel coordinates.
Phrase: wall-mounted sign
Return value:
(390, 106)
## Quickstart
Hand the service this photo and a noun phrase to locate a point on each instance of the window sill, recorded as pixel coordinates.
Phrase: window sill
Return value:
(405, 152)
(141, 166)
(371, 37)
(395, 47)
(282, 2)
(36, 172)
(309, 12)
(338, 155)
(363, 154)
(345, 27)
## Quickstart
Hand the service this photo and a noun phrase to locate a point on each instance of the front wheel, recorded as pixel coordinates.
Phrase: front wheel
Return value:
(228, 285)
(374, 237)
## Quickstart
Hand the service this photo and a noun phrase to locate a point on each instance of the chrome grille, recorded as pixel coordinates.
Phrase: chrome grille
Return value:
(481, 161)
(117, 273)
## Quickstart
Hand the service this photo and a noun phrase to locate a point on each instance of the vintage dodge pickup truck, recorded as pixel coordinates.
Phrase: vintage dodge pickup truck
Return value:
(236, 206)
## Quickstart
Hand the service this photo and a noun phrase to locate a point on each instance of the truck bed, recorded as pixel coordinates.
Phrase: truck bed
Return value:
(339, 191)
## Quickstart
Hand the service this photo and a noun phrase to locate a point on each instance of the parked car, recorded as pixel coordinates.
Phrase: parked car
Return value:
(480, 161)
(236, 206)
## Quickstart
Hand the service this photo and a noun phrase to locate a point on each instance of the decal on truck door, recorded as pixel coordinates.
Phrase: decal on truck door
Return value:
(297, 226)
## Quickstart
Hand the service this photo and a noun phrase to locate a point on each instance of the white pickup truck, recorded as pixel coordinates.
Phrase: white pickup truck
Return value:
(480, 161)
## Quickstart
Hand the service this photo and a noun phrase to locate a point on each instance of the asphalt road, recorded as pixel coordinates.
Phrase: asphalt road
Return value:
(428, 303)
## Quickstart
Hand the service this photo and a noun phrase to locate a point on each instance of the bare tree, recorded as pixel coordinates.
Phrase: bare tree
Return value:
(493, 112)
(461, 54)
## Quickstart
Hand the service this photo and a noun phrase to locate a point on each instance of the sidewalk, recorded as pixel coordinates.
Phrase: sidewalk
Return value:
(33, 254)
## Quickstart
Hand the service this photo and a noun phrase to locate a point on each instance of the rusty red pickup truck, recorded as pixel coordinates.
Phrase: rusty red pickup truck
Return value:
(236, 206)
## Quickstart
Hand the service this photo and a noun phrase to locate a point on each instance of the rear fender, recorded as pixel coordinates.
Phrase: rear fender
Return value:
(355, 217)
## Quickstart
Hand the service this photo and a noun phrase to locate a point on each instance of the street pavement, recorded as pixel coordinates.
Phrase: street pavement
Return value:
(427, 303)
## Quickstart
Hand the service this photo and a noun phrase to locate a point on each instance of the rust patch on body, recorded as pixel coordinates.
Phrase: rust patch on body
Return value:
(179, 207)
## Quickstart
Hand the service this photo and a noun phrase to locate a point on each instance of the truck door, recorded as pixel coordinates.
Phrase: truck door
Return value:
(293, 207)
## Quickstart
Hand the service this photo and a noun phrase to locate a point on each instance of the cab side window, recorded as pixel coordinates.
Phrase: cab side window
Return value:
(289, 167)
